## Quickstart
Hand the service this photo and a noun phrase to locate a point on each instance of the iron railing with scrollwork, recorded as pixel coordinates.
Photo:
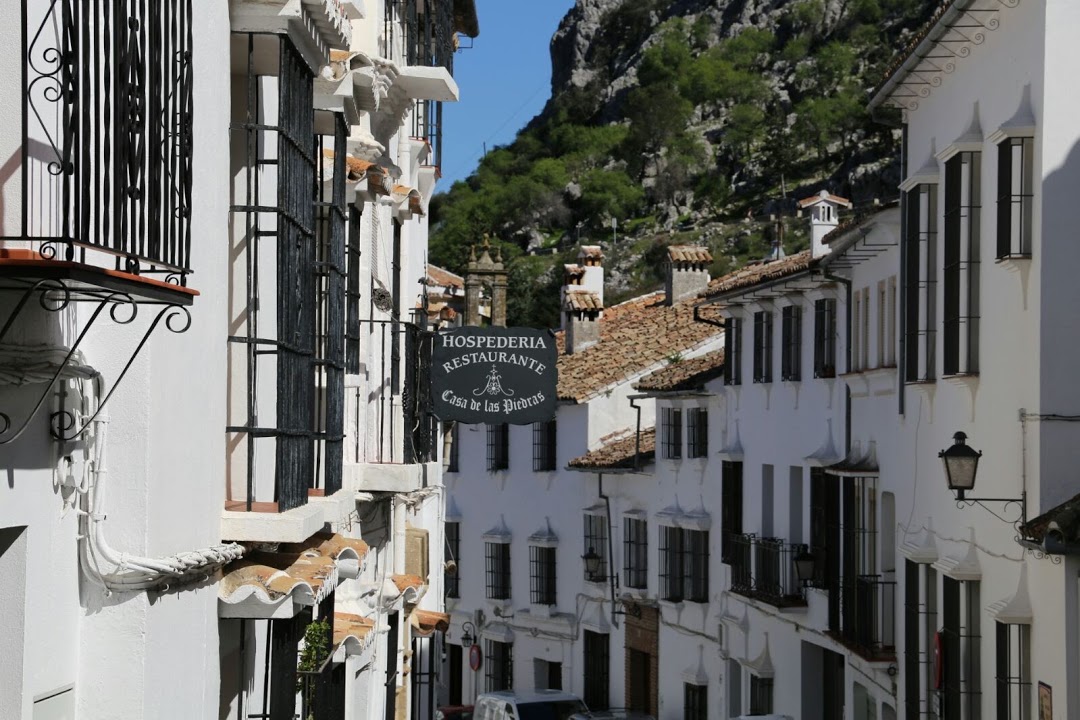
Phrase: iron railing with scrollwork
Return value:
(764, 568)
(106, 166)
(866, 621)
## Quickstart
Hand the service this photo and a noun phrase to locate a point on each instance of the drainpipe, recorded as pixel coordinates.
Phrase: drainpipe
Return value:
(637, 436)
(698, 317)
(610, 554)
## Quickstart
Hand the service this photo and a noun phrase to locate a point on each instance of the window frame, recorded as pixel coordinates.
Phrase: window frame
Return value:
(544, 436)
(499, 662)
(1012, 654)
(671, 432)
(695, 561)
(636, 553)
(498, 447)
(791, 343)
(695, 702)
(497, 570)
(761, 695)
(542, 575)
(763, 346)
(697, 432)
(731, 507)
(733, 351)
(596, 657)
(919, 257)
(1015, 197)
(596, 539)
(960, 611)
(825, 334)
(961, 261)
(671, 563)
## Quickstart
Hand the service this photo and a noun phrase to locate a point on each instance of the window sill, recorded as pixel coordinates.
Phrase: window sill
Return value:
(1004, 259)
(676, 605)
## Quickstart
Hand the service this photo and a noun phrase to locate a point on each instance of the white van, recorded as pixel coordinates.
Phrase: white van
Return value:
(531, 705)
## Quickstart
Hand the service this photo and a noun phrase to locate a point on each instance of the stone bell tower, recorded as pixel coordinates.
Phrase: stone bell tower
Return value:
(489, 272)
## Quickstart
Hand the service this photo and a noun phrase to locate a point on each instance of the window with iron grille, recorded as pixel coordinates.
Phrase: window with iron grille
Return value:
(352, 293)
(499, 659)
(761, 695)
(960, 272)
(695, 560)
(541, 575)
(453, 462)
(596, 541)
(695, 702)
(1013, 671)
(825, 338)
(791, 350)
(671, 563)
(919, 270)
(920, 581)
(597, 661)
(635, 553)
(962, 699)
(733, 351)
(731, 508)
(498, 447)
(498, 570)
(543, 446)
(697, 432)
(1015, 197)
(671, 431)
(763, 346)
(824, 528)
(453, 552)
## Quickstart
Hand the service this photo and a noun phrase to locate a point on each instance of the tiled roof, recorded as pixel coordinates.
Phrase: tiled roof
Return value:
(352, 631)
(403, 193)
(619, 453)
(823, 195)
(634, 336)
(1066, 519)
(357, 170)
(901, 57)
(425, 622)
(758, 273)
(573, 270)
(407, 582)
(582, 300)
(443, 277)
(591, 252)
(685, 374)
(689, 254)
(856, 220)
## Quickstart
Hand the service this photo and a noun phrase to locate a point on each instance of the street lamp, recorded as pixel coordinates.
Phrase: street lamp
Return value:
(467, 636)
(592, 564)
(804, 566)
(961, 465)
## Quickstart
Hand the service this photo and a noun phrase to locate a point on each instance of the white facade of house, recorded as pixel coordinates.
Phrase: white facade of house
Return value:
(121, 547)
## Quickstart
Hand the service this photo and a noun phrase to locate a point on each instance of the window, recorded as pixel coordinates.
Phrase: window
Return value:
(733, 351)
(763, 345)
(498, 570)
(890, 325)
(695, 702)
(596, 670)
(919, 581)
(960, 272)
(1016, 184)
(960, 632)
(635, 553)
(920, 277)
(731, 509)
(453, 552)
(824, 528)
(856, 332)
(452, 463)
(498, 447)
(543, 446)
(596, 541)
(825, 338)
(697, 431)
(864, 347)
(761, 692)
(352, 293)
(684, 564)
(1013, 672)
(791, 349)
(541, 575)
(672, 433)
(499, 659)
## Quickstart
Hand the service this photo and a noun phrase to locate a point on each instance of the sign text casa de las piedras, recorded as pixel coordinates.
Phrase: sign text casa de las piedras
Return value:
(494, 375)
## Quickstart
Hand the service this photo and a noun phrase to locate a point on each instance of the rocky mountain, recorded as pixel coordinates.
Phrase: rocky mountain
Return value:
(683, 121)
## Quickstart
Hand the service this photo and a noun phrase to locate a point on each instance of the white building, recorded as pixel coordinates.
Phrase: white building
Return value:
(219, 464)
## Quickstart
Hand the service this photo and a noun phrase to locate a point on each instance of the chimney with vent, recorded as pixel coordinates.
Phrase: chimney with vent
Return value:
(824, 218)
(687, 271)
(583, 299)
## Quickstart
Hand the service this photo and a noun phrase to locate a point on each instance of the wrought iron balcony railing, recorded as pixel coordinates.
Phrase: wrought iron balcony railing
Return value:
(106, 155)
(764, 568)
(862, 615)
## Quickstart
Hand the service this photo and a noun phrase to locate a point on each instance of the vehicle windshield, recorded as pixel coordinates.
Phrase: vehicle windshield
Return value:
(550, 709)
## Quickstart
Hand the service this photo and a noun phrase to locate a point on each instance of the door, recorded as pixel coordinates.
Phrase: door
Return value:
(640, 690)
(455, 672)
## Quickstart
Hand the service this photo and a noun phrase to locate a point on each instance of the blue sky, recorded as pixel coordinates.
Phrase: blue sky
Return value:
(505, 79)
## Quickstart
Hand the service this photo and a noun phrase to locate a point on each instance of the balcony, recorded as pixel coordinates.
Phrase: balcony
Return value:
(862, 616)
(764, 569)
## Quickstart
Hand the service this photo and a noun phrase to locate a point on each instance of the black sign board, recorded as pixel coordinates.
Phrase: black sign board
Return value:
(494, 375)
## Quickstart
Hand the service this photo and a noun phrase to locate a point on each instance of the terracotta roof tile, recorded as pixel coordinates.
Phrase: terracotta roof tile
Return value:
(824, 195)
(591, 252)
(634, 336)
(358, 170)
(573, 270)
(685, 375)
(444, 278)
(751, 275)
(619, 453)
(689, 254)
(403, 193)
(407, 582)
(425, 622)
(1066, 517)
(582, 300)
(352, 630)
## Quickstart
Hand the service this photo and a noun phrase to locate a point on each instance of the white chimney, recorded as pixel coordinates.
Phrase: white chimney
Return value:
(591, 258)
(824, 218)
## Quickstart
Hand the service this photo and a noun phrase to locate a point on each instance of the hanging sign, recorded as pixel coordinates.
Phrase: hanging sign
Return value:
(494, 375)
